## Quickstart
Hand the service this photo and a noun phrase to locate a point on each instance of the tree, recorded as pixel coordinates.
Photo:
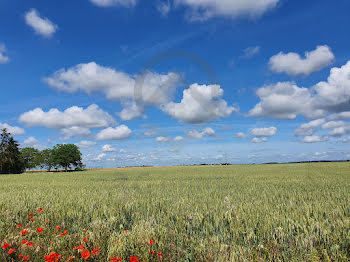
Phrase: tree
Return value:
(11, 161)
(45, 159)
(31, 157)
(67, 155)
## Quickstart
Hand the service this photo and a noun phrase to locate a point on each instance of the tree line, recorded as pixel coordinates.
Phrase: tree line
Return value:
(14, 160)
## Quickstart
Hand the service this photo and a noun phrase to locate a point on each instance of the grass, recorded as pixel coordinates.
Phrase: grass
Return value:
(290, 212)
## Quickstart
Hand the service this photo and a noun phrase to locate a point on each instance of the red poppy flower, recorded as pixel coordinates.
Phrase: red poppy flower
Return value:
(58, 227)
(152, 252)
(24, 232)
(32, 219)
(30, 244)
(96, 251)
(85, 240)
(24, 242)
(126, 231)
(134, 259)
(71, 258)
(160, 255)
(26, 257)
(11, 250)
(30, 215)
(64, 233)
(20, 256)
(19, 225)
(39, 229)
(85, 254)
(115, 259)
(6, 245)
(151, 242)
(79, 247)
(39, 210)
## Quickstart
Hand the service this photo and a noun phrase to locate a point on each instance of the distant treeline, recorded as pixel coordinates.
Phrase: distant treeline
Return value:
(14, 160)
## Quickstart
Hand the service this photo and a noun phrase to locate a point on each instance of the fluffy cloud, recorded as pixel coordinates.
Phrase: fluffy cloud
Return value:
(314, 139)
(162, 139)
(14, 130)
(75, 131)
(207, 132)
(108, 3)
(259, 140)
(108, 148)
(118, 133)
(3, 58)
(91, 117)
(41, 25)
(267, 131)
(133, 91)
(292, 64)
(333, 124)
(241, 135)
(308, 129)
(205, 9)
(178, 138)
(199, 104)
(31, 142)
(286, 100)
(85, 144)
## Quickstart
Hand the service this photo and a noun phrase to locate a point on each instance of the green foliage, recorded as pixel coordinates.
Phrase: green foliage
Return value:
(31, 157)
(67, 155)
(46, 159)
(11, 161)
(292, 212)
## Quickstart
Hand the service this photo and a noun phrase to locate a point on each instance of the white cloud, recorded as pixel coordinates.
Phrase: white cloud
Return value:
(178, 138)
(164, 8)
(240, 135)
(100, 157)
(31, 142)
(207, 132)
(342, 116)
(267, 131)
(14, 130)
(199, 104)
(91, 117)
(162, 139)
(3, 58)
(340, 131)
(109, 3)
(333, 124)
(251, 51)
(202, 10)
(308, 129)
(108, 148)
(292, 64)
(133, 91)
(314, 139)
(41, 25)
(259, 140)
(110, 133)
(85, 144)
(75, 131)
(346, 140)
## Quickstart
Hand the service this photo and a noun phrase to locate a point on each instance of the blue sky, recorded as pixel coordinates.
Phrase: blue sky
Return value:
(226, 80)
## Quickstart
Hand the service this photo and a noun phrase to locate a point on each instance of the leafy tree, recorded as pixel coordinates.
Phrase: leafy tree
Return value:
(45, 159)
(11, 161)
(31, 157)
(67, 155)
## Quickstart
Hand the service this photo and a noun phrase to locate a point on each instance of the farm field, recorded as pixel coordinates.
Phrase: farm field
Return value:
(289, 212)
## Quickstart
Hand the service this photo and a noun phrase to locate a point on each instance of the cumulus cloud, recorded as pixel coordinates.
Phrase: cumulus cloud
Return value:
(178, 138)
(333, 124)
(99, 157)
(267, 131)
(340, 131)
(241, 135)
(202, 10)
(162, 139)
(31, 142)
(91, 117)
(75, 131)
(85, 144)
(308, 129)
(207, 132)
(3, 58)
(109, 3)
(41, 25)
(314, 139)
(292, 64)
(341, 116)
(118, 133)
(108, 148)
(199, 104)
(259, 140)
(13, 130)
(134, 92)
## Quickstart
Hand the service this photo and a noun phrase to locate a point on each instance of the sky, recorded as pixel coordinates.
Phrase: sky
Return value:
(173, 82)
